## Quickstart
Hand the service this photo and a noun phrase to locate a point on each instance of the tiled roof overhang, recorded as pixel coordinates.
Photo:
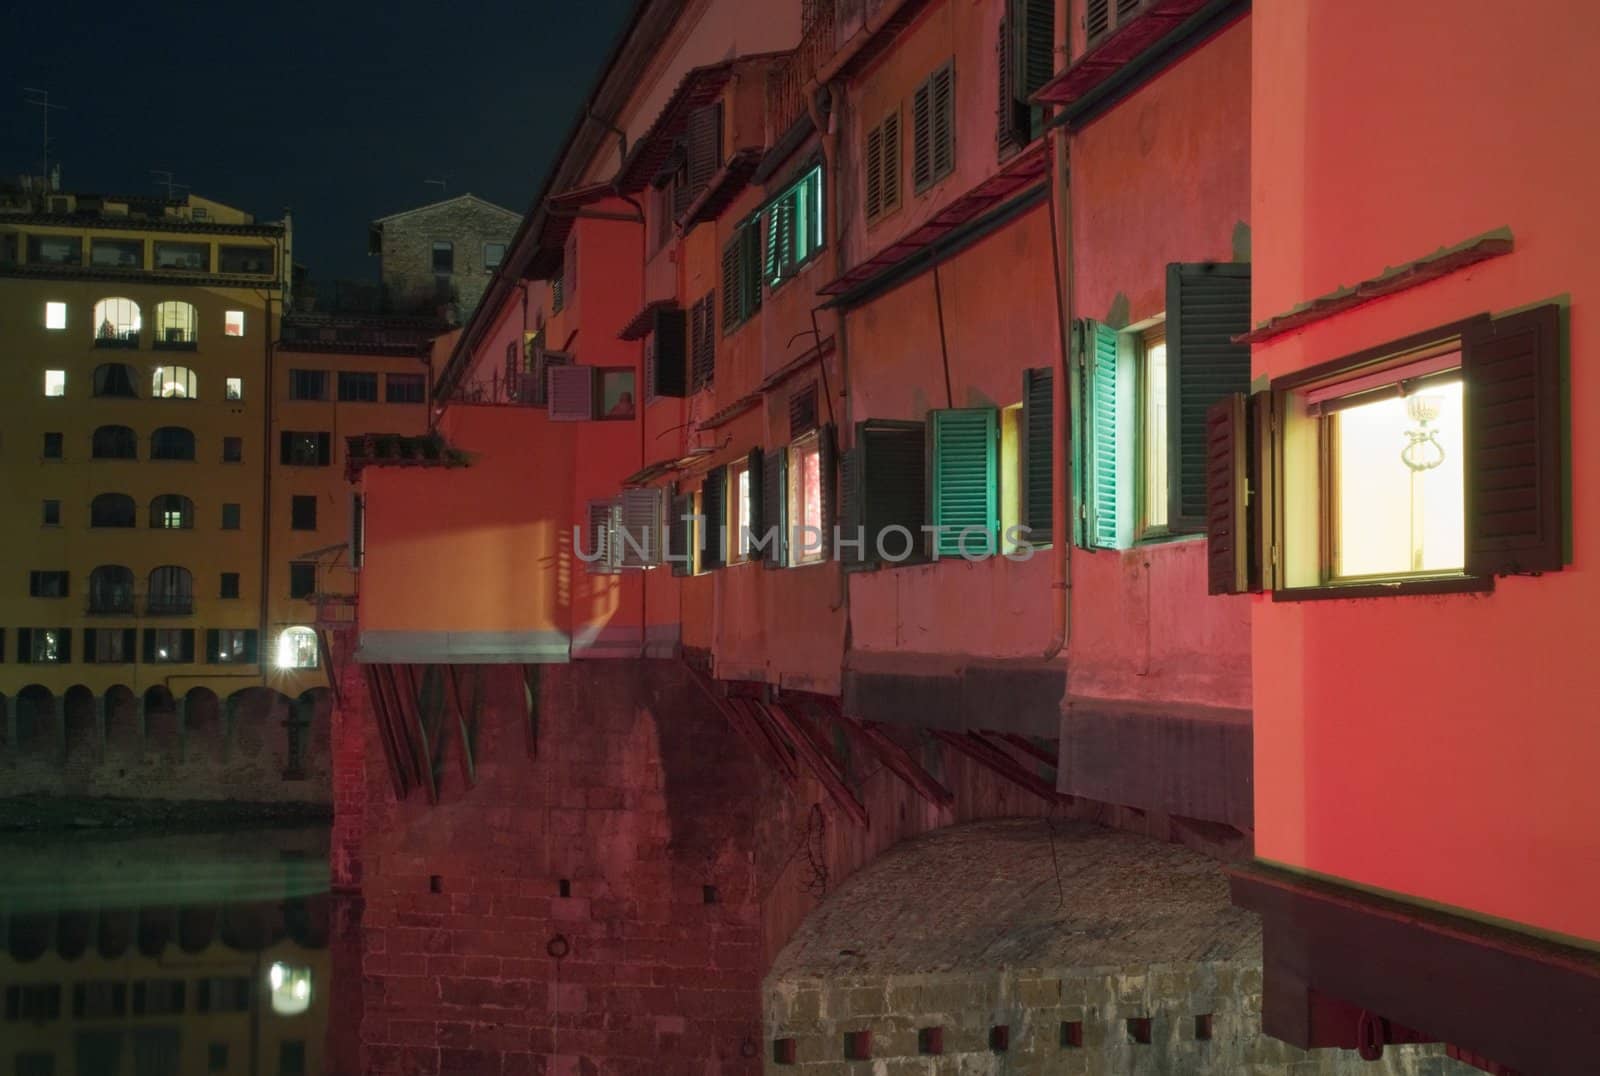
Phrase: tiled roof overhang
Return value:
(41, 271)
(1432, 267)
(1109, 56)
(729, 182)
(1022, 171)
(560, 212)
(641, 324)
(660, 468)
(700, 87)
(795, 365)
(731, 412)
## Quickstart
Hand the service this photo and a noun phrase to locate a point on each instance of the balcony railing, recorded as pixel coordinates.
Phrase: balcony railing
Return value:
(115, 603)
(128, 339)
(169, 605)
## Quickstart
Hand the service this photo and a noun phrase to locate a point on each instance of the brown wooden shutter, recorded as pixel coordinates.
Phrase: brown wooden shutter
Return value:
(1227, 493)
(1515, 490)
(730, 283)
(803, 411)
(774, 498)
(874, 172)
(714, 507)
(704, 147)
(944, 120)
(1208, 304)
(891, 161)
(758, 501)
(922, 136)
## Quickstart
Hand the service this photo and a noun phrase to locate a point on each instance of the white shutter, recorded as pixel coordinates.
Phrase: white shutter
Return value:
(637, 543)
(571, 392)
(601, 546)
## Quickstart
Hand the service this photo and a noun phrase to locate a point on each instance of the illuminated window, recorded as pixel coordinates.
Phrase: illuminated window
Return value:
(233, 388)
(1392, 469)
(176, 325)
(190, 257)
(739, 515)
(168, 646)
(171, 511)
(232, 646)
(117, 323)
(174, 383)
(794, 228)
(1153, 430)
(291, 983)
(807, 545)
(297, 649)
(116, 253)
(233, 323)
(55, 382)
(55, 315)
(44, 646)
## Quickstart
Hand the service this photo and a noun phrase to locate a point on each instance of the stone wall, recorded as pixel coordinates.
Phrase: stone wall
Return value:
(468, 224)
(196, 747)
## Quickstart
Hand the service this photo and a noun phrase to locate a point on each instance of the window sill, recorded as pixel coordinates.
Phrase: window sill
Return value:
(1465, 584)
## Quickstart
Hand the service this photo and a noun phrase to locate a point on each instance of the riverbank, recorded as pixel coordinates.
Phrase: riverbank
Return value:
(84, 816)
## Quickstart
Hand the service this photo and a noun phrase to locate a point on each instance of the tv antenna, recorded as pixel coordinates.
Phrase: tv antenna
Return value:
(444, 187)
(165, 179)
(40, 99)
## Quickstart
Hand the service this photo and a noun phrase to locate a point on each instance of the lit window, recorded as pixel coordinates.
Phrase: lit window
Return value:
(1153, 430)
(173, 383)
(117, 323)
(55, 382)
(233, 323)
(233, 646)
(176, 325)
(1393, 471)
(44, 646)
(297, 648)
(794, 228)
(290, 983)
(168, 646)
(234, 388)
(55, 315)
(739, 516)
(806, 543)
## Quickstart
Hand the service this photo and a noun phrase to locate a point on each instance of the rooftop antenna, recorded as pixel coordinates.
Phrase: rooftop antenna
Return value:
(40, 99)
(444, 188)
(165, 179)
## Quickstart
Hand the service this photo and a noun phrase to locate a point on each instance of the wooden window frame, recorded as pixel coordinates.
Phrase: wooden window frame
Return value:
(1141, 342)
(794, 500)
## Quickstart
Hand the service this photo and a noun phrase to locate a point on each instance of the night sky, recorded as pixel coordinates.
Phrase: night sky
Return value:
(337, 110)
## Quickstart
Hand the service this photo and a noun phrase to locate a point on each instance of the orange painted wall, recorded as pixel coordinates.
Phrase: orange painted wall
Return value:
(1162, 177)
(479, 548)
(1440, 748)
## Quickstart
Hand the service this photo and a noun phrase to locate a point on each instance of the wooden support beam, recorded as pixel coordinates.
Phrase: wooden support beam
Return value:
(986, 754)
(745, 724)
(467, 721)
(391, 750)
(325, 652)
(899, 761)
(1026, 745)
(767, 735)
(824, 765)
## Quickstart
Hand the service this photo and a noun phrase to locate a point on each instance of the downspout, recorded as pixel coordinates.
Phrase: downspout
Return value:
(1057, 164)
(822, 103)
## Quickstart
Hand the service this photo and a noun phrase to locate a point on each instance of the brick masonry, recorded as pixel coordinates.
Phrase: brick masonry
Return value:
(468, 223)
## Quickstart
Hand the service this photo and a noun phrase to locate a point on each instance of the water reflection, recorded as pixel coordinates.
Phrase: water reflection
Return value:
(155, 956)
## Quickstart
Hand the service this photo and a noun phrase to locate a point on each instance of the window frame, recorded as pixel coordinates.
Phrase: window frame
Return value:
(740, 519)
(354, 384)
(778, 267)
(448, 249)
(1141, 342)
(794, 500)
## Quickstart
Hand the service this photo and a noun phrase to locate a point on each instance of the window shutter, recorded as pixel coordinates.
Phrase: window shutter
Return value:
(680, 535)
(638, 542)
(324, 449)
(130, 643)
(600, 550)
(1227, 496)
(731, 286)
(90, 640)
(714, 506)
(187, 644)
(149, 645)
(358, 521)
(1038, 454)
(803, 411)
(251, 648)
(774, 500)
(1005, 111)
(213, 645)
(890, 483)
(25, 646)
(755, 467)
(1208, 304)
(1514, 488)
(668, 350)
(64, 649)
(827, 468)
(704, 147)
(1097, 19)
(944, 121)
(874, 170)
(1101, 441)
(890, 160)
(962, 491)
(922, 136)
(571, 392)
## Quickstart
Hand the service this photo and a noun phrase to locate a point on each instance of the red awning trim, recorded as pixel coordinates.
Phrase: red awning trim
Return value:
(795, 365)
(1109, 56)
(1024, 170)
(731, 412)
(642, 323)
(729, 182)
(1441, 262)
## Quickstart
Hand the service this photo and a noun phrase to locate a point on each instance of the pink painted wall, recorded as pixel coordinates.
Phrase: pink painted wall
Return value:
(1440, 748)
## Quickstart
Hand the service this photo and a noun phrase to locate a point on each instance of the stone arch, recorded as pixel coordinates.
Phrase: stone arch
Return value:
(307, 735)
(197, 927)
(38, 712)
(115, 933)
(157, 928)
(163, 730)
(29, 935)
(74, 932)
(255, 724)
(249, 928)
(204, 727)
(80, 710)
(124, 721)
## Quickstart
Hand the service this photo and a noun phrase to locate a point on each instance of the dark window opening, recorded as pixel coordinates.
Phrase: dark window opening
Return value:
(114, 443)
(302, 579)
(112, 510)
(405, 388)
(308, 384)
(111, 589)
(52, 446)
(358, 387)
(172, 443)
(303, 513)
(47, 584)
(230, 517)
(444, 256)
(230, 585)
(114, 379)
(233, 450)
(303, 449)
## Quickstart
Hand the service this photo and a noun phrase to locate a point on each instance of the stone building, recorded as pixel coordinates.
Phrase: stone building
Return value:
(443, 252)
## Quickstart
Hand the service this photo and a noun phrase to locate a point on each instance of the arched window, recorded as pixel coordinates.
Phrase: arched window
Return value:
(297, 648)
(176, 325)
(114, 443)
(171, 591)
(171, 512)
(117, 323)
(111, 589)
(114, 379)
(173, 383)
(172, 443)
(112, 510)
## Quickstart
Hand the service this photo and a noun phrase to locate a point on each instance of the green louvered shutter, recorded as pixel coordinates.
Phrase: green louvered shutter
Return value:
(962, 492)
(850, 519)
(1034, 60)
(1038, 454)
(1208, 305)
(714, 507)
(1101, 441)
(890, 483)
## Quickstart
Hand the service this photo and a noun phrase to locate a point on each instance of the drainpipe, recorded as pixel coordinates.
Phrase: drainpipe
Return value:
(1059, 179)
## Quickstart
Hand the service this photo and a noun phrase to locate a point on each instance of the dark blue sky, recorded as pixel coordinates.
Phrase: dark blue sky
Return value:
(338, 110)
